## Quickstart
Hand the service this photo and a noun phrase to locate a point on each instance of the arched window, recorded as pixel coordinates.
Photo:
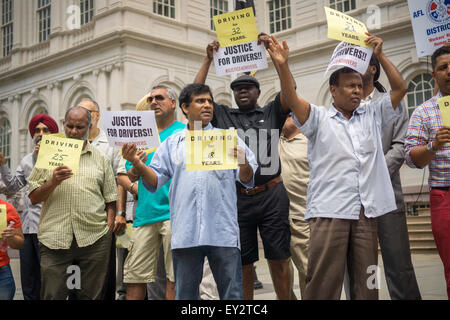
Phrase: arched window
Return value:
(39, 110)
(420, 89)
(5, 139)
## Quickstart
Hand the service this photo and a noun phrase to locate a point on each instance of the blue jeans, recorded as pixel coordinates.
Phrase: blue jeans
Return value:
(7, 285)
(226, 267)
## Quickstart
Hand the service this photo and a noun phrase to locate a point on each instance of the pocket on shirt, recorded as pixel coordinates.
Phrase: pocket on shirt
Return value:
(367, 144)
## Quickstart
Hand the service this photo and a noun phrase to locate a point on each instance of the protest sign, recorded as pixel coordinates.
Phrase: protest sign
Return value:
(236, 27)
(3, 218)
(209, 149)
(355, 57)
(342, 27)
(444, 107)
(240, 58)
(56, 151)
(137, 127)
(431, 24)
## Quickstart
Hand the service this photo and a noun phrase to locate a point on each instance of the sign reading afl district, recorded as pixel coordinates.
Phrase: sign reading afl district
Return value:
(240, 58)
(138, 127)
(236, 27)
(209, 149)
(444, 107)
(55, 151)
(351, 56)
(342, 27)
(431, 24)
(3, 220)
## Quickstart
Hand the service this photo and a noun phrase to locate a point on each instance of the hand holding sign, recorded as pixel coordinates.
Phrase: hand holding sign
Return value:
(129, 153)
(211, 48)
(61, 173)
(238, 153)
(376, 43)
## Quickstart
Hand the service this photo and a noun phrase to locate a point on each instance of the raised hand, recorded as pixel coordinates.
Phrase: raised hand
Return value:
(61, 173)
(376, 43)
(278, 52)
(213, 46)
(129, 152)
(264, 38)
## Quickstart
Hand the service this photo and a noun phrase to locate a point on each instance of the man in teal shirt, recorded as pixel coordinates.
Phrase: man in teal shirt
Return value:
(151, 226)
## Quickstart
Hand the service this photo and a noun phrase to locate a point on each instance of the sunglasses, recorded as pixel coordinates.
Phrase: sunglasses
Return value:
(158, 97)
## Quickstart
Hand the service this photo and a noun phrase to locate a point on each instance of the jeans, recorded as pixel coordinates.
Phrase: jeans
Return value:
(225, 264)
(7, 285)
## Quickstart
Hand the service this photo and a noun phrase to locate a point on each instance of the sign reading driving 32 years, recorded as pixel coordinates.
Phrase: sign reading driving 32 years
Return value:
(431, 24)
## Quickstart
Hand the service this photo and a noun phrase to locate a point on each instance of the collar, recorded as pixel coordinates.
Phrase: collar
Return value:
(332, 111)
(237, 110)
(100, 138)
(89, 148)
(209, 126)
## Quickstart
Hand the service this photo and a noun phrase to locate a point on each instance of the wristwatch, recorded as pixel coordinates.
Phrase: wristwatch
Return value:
(430, 147)
(122, 213)
(130, 188)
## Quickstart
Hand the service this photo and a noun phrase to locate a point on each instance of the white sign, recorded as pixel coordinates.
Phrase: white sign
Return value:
(138, 127)
(351, 56)
(431, 24)
(240, 58)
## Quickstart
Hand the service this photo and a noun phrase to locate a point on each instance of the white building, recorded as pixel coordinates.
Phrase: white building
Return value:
(56, 52)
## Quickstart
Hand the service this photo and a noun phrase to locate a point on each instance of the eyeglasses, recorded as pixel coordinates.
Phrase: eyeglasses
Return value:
(158, 97)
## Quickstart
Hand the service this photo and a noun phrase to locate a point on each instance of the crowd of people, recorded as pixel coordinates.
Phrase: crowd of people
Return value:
(321, 187)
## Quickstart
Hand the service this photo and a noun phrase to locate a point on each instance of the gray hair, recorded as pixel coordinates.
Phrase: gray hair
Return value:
(88, 114)
(170, 93)
(93, 101)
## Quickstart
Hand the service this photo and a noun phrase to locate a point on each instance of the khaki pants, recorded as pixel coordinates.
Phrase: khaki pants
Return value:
(91, 261)
(332, 243)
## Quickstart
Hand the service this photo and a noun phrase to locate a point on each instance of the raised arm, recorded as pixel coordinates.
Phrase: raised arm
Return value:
(204, 69)
(398, 85)
(13, 182)
(279, 54)
(265, 38)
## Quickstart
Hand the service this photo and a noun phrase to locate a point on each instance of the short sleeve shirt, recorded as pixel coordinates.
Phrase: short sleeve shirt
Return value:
(260, 129)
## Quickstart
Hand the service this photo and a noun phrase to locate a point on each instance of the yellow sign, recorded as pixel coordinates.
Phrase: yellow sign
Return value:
(210, 150)
(342, 27)
(57, 151)
(444, 106)
(236, 27)
(3, 220)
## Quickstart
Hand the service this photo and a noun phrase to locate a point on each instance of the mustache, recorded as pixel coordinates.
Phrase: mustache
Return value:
(37, 139)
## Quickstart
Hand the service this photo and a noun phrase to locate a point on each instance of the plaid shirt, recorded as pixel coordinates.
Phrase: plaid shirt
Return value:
(77, 206)
(423, 126)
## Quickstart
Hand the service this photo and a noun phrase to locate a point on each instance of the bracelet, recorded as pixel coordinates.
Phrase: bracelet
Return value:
(130, 188)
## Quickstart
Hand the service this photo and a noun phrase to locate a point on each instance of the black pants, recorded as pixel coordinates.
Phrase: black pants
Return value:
(395, 250)
(109, 287)
(30, 268)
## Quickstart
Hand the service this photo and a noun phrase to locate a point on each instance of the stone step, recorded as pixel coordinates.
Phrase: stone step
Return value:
(424, 250)
(420, 234)
(419, 218)
(419, 226)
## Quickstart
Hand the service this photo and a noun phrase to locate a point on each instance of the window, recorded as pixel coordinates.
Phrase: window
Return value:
(279, 15)
(43, 19)
(5, 139)
(217, 7)
(7, 26)
(164, 8)
(420, 89)
(343, 5)
(86, 11)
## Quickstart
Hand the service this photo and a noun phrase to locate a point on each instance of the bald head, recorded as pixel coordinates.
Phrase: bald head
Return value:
(77, 123)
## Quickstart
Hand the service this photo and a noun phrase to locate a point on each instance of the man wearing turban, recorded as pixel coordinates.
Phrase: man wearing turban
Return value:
(30, 271)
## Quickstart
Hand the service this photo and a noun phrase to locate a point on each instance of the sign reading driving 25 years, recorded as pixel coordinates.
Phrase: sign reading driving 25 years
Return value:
(431, 24)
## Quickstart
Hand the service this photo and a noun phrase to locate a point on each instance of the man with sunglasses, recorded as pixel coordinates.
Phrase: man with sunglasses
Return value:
(151, 226)
(30, 270)
(97, 138)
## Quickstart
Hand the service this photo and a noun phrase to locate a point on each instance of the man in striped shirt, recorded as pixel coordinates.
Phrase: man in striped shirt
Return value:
(426, 143)
(77, 218)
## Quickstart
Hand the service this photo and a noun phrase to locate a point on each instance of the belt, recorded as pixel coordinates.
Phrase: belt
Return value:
(441, 188)
(261, 188)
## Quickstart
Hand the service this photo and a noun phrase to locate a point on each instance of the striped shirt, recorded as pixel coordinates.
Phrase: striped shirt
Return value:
(77, 206)
(423, 126)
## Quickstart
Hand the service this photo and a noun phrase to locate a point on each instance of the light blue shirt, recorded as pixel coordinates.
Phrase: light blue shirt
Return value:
(203, 204)
(346, 160)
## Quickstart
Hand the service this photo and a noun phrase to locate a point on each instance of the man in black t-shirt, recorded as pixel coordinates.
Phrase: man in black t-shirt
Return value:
(266, 206)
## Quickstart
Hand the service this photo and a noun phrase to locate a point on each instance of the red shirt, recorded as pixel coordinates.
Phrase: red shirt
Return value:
(11, 215)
